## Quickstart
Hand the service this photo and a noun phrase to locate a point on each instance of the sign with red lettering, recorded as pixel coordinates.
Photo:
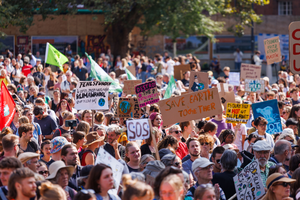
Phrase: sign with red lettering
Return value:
(294, 37)
(272, 50)
(249, 71)
(191, 106)
(147, 93)
(138, 129)
(237, 113)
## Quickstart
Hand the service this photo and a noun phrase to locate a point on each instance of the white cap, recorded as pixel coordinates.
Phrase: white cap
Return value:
(201, 162)
(262, 145)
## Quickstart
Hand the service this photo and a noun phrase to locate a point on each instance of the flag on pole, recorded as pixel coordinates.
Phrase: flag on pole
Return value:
(98, 73)
(130, 76)
(33, 61)
(54, 57)
(170, 88)
(7, 107)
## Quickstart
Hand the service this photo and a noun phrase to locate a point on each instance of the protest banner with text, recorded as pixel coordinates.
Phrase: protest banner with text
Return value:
(191, 106)
(237, 113)
(294, 47)
(128, 108)
(92, 95)
(179, 71)
(147, 93)
(129, 86)
(234, 78)
(254, 85)
(198, 81)
(272, 50)
(138, 129)
(249, 71)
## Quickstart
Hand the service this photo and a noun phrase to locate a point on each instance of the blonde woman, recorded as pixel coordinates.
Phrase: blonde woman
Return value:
(171, 188)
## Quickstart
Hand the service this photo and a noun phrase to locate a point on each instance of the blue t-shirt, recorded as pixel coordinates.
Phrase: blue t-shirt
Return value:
(36, 132)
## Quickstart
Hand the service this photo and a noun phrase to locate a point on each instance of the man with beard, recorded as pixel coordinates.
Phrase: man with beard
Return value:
(194, 150)
(216, 158)
(21, 184)
(112, 146)
(282, 152)
(69, 155)
(261, 150)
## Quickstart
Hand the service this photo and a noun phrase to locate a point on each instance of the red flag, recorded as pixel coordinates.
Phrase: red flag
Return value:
(7, 107)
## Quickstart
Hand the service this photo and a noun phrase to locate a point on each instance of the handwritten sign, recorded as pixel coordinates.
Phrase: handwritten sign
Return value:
(272, 50)
(117, 168)
(92, 95)
(128, 108)
(234, 78)
(138, 129)
(237, 113)
(179, 71)
(248, 183)
(294, 37)
(249, 71)
(129, 86)
(195, 105)
(269, 110)
(147, 93)
(198, 81)
(254, 85)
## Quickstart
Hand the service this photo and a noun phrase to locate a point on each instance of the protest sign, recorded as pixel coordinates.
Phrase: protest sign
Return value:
(272, 50)
(269, 110)
(147, 93)
(138, 129)
(179, 71)
(234, 78)
(248, 183)
(191, 106)
(128, 108)
(119, 72)
(129, 86)
(198, 81)
(222, 87)
(237, 113)
(294, 37)
(117, 168)
(249, 71)
(132, 70)
(254, 85)
(92, 95)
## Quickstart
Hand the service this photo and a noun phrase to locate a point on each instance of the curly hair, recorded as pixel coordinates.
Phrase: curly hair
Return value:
(168, 140)
(206, 138)
(225, 133)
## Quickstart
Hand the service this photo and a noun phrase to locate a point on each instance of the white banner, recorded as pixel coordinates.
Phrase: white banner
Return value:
(138, 129)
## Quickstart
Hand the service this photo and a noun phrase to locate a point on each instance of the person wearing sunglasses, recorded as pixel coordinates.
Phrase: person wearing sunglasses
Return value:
(278, 187)
(182, 150)
(43, 170)
(207, 144)
(171, 160)
(216, 159)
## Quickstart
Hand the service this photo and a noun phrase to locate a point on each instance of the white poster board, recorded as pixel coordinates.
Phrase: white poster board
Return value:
(254, 85)
(138, 129)
(105, 158)
(234, 78)
(92, 95)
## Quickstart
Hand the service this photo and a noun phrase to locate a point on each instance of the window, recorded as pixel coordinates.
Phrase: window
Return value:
(285, 8)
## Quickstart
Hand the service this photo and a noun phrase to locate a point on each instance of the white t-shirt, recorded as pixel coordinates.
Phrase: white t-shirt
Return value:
(239, 135)
(170, 65)
(17, 72)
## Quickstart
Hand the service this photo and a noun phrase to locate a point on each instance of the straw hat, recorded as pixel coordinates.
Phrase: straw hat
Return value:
(92, 138)
(24, 157)
(277, 177)
(56, 166)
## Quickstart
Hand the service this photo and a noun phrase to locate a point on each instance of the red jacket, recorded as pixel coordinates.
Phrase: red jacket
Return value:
(182, 150)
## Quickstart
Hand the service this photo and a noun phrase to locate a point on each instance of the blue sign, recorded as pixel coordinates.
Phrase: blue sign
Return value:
(269, 110)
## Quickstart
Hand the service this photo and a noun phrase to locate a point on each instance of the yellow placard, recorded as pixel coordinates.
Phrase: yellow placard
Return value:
(237, 113)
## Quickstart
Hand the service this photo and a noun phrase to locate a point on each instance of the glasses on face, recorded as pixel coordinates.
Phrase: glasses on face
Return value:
(86, 191)
(284, 184)
(262, 125)
(205, 143)
(218, 161)
(177, 164)
(176, 132)
(43, 172)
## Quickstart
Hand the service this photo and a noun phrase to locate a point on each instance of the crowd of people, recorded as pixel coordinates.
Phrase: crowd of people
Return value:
(50, 149)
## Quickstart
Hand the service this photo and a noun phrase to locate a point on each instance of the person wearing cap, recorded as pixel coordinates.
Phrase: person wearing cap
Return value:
(293, 124)
(93, 141)
(202, 168)
(214, 83)
(84, 174)
(57, 144)
(282, 152)
(278, 187)
(30, 160)
(60, 174)
(261, 150)
(27, 142)
(260, 124)
(26, 68)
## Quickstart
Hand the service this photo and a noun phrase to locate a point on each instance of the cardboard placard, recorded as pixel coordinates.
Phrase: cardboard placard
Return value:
(272, 50)
(119, 72)
(234, 78)
(191, 106)
(248, 184)
(132, 70)
(128, 108)
(249, 71)
(254, 85)
(114, 104)
(237, 113)
(129, 86)
(269, 110)
(147, 93)
(198, 81)
(179, 71)
(294, 47)
(92, 95)
(117, 168)
(222, 87)
(138, 129)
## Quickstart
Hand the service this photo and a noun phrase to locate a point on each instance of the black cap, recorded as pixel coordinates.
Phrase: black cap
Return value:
(85, 171)
(291, 121)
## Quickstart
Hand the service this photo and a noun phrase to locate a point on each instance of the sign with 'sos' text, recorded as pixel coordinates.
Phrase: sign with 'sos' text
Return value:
(237, 113)
(191, 106)
(254, 85)
(138, 129)
(249, 71)
(294, 37)
(147, 93)
(272, 50)
(92, 95)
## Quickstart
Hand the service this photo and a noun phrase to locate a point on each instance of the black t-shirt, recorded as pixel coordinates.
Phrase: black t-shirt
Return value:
(110, 149)
(131, 169)
(144, 67)
(59, 132)
(80, 73)
(295, 102)
(31, 147)
(185, 82)
(47, 125)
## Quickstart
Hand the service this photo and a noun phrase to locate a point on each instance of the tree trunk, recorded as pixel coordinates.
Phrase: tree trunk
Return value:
(119, 40)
